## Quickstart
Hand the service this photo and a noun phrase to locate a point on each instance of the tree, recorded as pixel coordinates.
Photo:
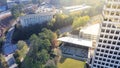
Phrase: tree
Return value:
(48, 33)
(34, 46)
(39, 52)
(16, 10)
(46, 44)
(21, 44)
(80, 21)
(21, 52)
(42, 56)
(51, 66)
(55, 43)
(3, 63)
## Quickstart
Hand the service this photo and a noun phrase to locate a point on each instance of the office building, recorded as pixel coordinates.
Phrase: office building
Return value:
(107, 53)
(76, 48)
(32, 19)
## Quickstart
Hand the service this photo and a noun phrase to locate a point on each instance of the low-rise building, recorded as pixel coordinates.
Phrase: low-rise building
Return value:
(76, 48)
(90, 32)
(32, 19)
(81, 47)
(75, 8)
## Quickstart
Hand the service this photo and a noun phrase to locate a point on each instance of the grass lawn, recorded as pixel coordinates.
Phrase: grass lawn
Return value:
(70, 63)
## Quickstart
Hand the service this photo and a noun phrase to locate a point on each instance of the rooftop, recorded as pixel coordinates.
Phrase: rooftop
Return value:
(92, 30)
(76, 7)
(78, 41)
(9, 48)
(40, 14)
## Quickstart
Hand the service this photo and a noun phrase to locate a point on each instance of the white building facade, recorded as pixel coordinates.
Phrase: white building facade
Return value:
(107, 53)
(32, 19)
(90, 32)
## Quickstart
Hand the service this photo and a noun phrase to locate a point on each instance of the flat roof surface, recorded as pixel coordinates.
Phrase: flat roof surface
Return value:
(9, 48)
(13, 66)
(78, 41)
(77, 7)
(93, 29)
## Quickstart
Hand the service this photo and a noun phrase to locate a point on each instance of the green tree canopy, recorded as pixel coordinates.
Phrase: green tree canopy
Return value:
(42, 56)
(80, 21)
(16, 10)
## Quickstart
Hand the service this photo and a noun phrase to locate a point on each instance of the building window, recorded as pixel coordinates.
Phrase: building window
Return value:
(117, 48)
(103, 24)
(95, 61)
(103, 63)
(103, 46)
(119, 53)
(115, 37)
(94, 65)
(119, 38)
(99, 62)
(112, 61)
(116, 66)
(97, 53)
(100, 58)
(118, 58)
(110, 37)
(113, 26)
(104, 41)
(102, 50)
(109, 25)
(108, 47)
(105, 55)
(102, 30)
(106, 36)
(98, 66)
(107, 31)
(104, 59)
(112, 31)
(99, 45)
(101, 54)
(111, 65)
(111, 52)
(109, 56)
(101, 35)
(106, 64)
(113, 57)
(109, 42)
(98, 49)
(108, 60)
(106, 51)
(117, 32)
(115, 53)
(112, 47)
(114, 42)
(118, 43)
(116, 62)
(100, 40)
(96, 58)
